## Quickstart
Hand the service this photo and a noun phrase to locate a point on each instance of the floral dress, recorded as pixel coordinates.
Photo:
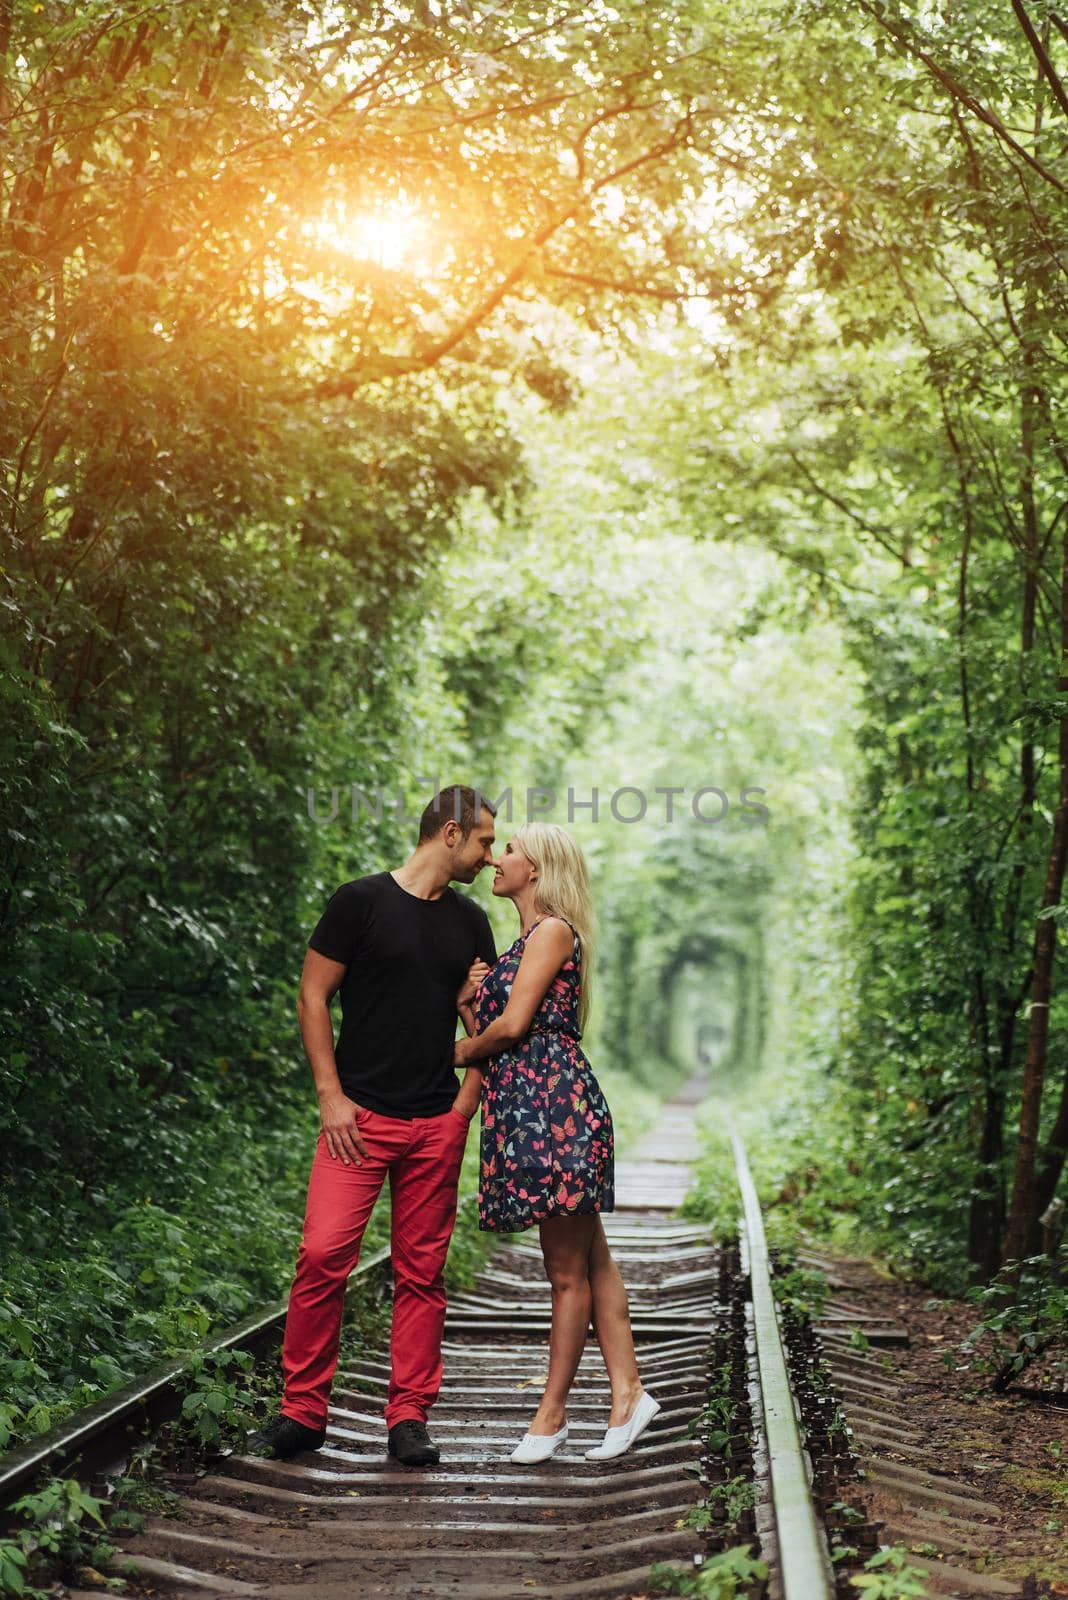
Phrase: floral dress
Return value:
(547, 1147)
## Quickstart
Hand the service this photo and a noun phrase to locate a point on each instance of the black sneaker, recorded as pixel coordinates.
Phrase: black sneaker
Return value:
(412, 1445)
(284, 1436)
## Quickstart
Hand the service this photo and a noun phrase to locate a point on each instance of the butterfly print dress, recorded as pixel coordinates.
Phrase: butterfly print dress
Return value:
(547, 1146)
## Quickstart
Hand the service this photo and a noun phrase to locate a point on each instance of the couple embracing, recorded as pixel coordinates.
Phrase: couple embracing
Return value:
(410, 956)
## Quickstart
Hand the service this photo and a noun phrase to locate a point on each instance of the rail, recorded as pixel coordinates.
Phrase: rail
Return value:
(96, 1435)
(805, 1569)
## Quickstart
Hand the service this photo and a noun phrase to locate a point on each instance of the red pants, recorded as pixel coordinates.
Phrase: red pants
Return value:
(423, 1158)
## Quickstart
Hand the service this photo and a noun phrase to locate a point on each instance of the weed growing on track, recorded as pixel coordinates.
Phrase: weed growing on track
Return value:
(724, 1576)
(65, 1536)
(887, 1576)
(717, 1421)
(218, 1400)
(135, 1495)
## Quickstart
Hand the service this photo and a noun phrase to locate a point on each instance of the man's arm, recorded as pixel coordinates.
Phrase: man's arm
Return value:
(467, 1015)
(465, 1000)
(470, 1092)
(320, 980)
(485, 957)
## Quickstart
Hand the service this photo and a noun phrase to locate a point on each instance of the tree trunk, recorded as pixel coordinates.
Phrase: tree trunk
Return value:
(1053, 1154)
(986, 1213)
(1023, 1232)
(1022, 1235)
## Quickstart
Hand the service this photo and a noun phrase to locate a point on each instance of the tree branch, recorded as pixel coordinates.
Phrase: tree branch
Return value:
(26, 443)
(953, 88)
(854, 516)
(593, 280)
(386, 366)
(1049, 71)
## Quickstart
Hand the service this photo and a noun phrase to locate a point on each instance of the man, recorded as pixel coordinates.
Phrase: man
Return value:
(399, 945)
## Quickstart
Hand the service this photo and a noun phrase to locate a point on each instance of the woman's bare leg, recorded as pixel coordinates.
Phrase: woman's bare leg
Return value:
(565, 1248)
(611, 1324)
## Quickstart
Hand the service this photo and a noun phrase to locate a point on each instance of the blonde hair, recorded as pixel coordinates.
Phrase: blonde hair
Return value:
(563, 890)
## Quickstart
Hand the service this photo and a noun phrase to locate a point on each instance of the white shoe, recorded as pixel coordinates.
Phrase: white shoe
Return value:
(538, 1446)
(618, 1440)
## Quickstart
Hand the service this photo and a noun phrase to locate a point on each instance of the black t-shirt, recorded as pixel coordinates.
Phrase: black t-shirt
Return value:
(405, 960)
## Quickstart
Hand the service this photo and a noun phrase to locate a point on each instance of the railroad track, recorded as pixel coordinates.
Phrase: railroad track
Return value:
(923, 1503)
(348, 1521)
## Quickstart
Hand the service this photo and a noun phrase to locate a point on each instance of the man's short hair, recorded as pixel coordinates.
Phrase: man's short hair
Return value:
(457, 803)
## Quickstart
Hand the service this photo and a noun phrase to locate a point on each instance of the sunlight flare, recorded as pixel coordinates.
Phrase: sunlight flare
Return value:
(389, 235)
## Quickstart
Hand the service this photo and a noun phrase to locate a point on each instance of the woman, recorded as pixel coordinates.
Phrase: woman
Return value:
(547, 1150)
